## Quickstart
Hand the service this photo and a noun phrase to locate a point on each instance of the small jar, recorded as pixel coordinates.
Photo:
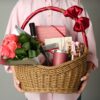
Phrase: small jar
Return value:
(59, 57)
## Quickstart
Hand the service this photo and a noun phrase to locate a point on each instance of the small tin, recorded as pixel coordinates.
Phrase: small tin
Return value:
(59, 57)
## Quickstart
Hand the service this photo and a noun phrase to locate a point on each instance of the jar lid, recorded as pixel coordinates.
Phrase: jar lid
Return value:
(60, 51)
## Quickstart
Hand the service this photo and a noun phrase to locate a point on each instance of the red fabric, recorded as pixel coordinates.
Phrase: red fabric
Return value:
(73, 12)
(81, 24)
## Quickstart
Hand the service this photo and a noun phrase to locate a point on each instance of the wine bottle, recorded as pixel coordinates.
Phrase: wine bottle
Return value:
(33, 29)
(33, 34)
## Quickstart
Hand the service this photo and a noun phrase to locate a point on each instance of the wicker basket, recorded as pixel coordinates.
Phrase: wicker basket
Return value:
(64, 78)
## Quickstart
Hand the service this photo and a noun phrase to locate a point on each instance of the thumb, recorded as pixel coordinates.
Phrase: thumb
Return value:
(17, 81)
(85, 77)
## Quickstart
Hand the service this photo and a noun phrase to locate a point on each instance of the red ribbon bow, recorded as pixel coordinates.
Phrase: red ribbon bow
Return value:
(81, 24)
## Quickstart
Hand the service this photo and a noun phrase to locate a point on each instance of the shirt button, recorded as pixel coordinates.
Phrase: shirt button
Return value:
(49, 4)
(49, 15)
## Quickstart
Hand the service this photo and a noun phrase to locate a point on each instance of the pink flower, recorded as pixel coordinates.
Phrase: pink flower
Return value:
(11, 54)
(9, 45)
(6, 52)
(12, 45)
(11, 37)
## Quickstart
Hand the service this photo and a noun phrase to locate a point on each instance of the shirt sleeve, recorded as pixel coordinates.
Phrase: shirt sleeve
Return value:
(92, 55)
(13, 20)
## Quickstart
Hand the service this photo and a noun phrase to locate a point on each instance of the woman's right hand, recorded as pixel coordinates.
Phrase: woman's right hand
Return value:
(17, 83)
(8, 69)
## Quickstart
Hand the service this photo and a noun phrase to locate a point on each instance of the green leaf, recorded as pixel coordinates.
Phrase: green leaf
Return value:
(24, 38)
(26, 46)
(38, 52)
(31, 53)
(21, 53)
(34, 44)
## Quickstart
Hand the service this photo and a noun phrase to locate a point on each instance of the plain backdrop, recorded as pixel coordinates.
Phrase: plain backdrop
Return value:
(92, 91)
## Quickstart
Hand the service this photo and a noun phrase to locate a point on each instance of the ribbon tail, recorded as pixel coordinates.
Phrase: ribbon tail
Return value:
(85, 39)
(2, 61)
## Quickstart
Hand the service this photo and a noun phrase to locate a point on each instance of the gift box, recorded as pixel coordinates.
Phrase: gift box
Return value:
(47, 32)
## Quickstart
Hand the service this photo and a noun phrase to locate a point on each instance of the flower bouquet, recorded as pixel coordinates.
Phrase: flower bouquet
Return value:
(19, 49)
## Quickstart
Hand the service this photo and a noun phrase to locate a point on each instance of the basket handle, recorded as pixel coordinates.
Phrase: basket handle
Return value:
(81, 23)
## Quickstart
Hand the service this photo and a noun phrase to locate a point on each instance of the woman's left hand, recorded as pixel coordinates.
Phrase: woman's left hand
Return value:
(85, 78)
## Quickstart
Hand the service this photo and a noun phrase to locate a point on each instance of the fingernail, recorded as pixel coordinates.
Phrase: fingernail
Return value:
(82, 79)
(18, 82)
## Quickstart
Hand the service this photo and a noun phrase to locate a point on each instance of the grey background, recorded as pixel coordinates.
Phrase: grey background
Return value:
(92, 91)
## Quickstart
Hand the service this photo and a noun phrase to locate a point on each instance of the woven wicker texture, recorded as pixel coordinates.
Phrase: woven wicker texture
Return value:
(64, 78)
